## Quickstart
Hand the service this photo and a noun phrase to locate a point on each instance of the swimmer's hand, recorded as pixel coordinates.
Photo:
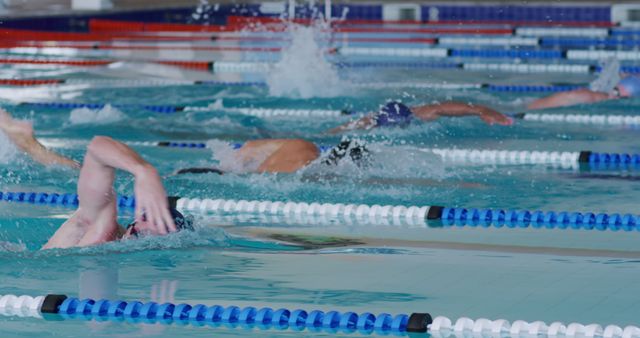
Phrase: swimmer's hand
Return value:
(432, 112)
(21, 134)
(365, 122)
(492, 117)
(152, 207)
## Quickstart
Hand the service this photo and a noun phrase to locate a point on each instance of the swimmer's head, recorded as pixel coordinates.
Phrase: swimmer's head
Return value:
(357, 151)
(628, 87)
(393, 114)
(182, 223)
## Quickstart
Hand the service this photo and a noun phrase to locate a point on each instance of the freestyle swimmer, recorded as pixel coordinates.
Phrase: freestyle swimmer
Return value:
(286, 155)
(394, 114)
(627, 87)
(95, 220)
(290, 155)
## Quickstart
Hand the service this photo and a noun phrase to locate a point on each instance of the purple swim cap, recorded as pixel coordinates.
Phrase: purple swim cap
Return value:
(393, 114)
(629, 86)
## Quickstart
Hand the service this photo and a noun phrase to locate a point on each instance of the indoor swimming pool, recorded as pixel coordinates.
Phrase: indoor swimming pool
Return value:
(323, 238)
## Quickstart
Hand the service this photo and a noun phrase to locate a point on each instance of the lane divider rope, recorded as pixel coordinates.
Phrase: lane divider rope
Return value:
(263, 44)
(471, 217)
(419, 85)
(228, 66)
(169, 109)
(595, 119)
(70, 308)
(572, 159)
(594, 159)
(568, 54)
(493, 67)
(562, 31)
(190, 54)
(580, 39)
(199, 315)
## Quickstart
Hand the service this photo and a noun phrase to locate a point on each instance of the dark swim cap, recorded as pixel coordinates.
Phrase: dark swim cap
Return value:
(356, 150)
(182, 222)
(393, 114)
(629, 86)
(199, 171)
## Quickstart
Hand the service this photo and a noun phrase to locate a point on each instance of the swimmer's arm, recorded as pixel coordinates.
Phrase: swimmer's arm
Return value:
(569, 98)
(95, 220)
(432, 112)
(106, 155)
(21, 134)
(366, 122)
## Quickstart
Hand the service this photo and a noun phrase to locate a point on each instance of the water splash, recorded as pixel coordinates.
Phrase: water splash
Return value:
(8, 151)
(108, 114)
(201, 13)
(225, 155)
(12, 247)
(303, 71)
(409, 164)
(609, 76)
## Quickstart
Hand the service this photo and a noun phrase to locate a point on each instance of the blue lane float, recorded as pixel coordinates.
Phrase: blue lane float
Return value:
(511, 54)
(164, 109)
(448, 215)
(233, 316)
(589, 42)
(60, 307)
(201, 145)
(532, 88)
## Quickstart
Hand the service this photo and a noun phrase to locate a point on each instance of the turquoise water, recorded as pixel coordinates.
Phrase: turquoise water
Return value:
(529, 274)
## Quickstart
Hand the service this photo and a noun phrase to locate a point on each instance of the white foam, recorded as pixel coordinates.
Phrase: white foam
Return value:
(303, 71)
(12, 247)
(217, 104)
(609, 76)
(8, 151)
(107, 114)
(225, 155)
(42, 93)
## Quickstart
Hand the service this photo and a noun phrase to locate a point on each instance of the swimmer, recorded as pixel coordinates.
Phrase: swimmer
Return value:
(95, 220)
(396, 114)
(288, 156)
(627, 87)
(21, 134)
(291, 155)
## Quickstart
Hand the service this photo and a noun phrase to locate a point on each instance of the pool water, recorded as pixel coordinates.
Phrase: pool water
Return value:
(520, 273)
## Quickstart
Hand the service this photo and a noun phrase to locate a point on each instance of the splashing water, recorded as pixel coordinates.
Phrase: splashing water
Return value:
(609, 76)
(202, 12)
(224, 153)
(7, 150)
(12, 247)
(107, 114)
(303, 72)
